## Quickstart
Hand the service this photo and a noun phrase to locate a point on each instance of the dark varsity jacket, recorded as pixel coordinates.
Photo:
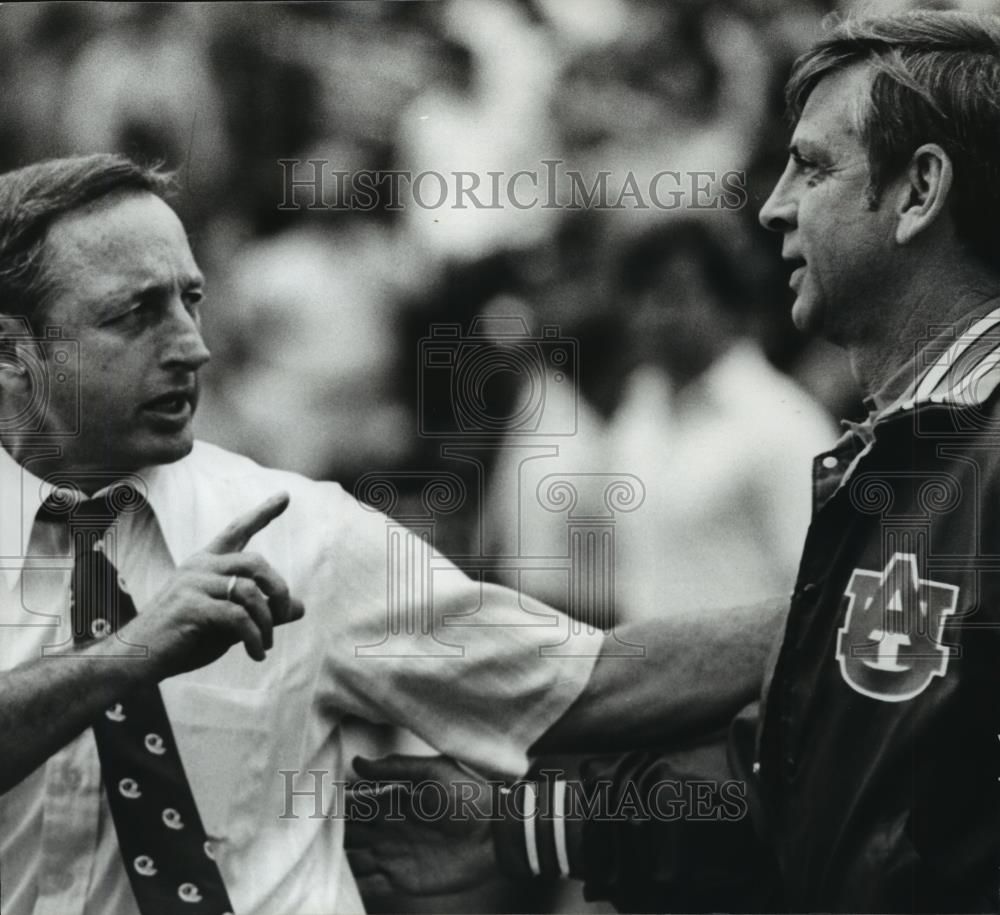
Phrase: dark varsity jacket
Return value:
(867, 779)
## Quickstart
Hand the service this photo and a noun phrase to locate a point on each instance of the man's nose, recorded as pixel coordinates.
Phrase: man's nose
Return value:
(184, 346)
(779, 210)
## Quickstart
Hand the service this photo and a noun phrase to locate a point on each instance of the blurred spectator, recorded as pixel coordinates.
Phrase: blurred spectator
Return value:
(143, 85)
(725, 441)
(492, 116)
(721, 441)
(311, 381)
(683, 88)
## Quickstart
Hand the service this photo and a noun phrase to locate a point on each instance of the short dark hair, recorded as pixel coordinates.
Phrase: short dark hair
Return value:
(936, 79)
(714, 254)
(33, 197)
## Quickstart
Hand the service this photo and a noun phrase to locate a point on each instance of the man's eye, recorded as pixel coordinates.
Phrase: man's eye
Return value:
(801, 161)
(131, 312)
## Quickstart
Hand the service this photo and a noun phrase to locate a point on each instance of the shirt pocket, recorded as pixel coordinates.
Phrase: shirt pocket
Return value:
(224, 738)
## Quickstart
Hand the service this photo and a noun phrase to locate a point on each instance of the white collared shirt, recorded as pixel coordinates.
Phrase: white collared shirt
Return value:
(476, 686)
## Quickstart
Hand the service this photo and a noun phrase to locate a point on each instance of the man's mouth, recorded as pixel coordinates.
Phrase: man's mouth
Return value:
(798, 271)
(173, 407)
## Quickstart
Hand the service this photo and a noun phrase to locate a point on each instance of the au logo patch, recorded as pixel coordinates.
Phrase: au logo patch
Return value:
(889, 647)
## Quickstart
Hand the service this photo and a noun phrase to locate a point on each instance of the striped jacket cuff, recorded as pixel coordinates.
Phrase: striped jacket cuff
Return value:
(533, 834)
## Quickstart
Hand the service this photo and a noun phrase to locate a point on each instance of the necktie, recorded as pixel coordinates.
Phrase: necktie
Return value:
(167, 855)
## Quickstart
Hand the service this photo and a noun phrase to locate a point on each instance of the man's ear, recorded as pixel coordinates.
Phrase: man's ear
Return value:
(15, 334)
(924, 191)
(13, 373)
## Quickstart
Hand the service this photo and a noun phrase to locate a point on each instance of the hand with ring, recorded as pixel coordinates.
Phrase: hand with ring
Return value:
(219, 596)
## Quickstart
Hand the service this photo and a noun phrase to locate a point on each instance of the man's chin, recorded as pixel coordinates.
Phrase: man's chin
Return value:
(806, 316)
(177, 450)
(162, 449)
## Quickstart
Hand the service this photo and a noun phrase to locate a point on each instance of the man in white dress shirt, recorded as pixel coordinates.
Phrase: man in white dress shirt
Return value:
(88, 247)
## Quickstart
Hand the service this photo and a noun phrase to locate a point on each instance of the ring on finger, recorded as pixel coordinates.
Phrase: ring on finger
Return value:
(231, 586)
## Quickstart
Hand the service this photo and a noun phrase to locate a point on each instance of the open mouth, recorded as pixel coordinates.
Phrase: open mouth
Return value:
(174, 406)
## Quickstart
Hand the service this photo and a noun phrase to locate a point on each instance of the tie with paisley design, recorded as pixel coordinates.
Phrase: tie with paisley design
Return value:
(167, 855)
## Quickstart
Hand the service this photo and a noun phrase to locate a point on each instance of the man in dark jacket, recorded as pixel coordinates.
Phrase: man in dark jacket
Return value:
(866, 778)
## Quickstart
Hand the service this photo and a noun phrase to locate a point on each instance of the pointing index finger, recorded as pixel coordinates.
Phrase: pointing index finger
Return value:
(239, 531)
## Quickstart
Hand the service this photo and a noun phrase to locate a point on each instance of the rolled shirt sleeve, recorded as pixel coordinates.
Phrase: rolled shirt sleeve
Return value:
(476, 670)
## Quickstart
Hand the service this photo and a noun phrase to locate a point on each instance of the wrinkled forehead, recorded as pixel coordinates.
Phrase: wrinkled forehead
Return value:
(130, 236)
(122, 221)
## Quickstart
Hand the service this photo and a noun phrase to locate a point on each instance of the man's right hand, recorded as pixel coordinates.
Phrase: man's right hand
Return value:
(432, 838)
(196, 617)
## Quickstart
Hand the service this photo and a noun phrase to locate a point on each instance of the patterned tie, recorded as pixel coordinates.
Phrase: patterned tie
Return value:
(168, 857)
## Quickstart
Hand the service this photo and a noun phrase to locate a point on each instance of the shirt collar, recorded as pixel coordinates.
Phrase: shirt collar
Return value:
(959, 367)
(174, 502)
(22, 494)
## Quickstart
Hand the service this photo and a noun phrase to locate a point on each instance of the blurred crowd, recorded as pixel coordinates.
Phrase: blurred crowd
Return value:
(316, 316)
(650, 345)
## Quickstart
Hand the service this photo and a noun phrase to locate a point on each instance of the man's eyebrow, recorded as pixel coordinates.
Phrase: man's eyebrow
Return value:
(126, 292)
(184, 280)
(805, 147)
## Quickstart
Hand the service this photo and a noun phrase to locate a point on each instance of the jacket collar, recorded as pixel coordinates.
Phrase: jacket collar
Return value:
(959, 367)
